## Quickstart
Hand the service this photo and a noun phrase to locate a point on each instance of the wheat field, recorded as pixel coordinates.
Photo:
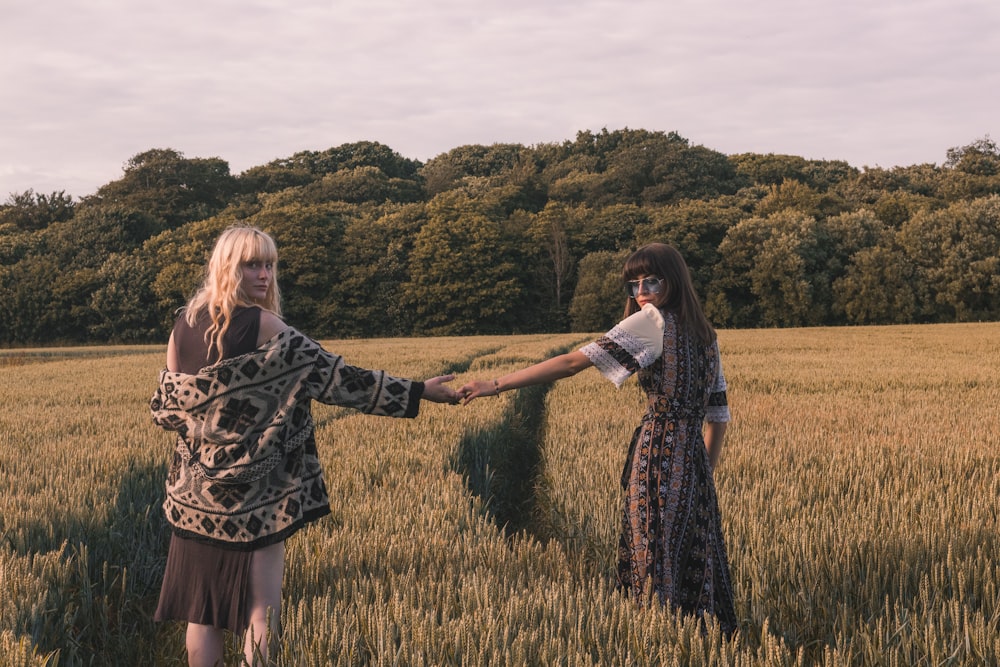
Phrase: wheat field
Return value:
(859, 489)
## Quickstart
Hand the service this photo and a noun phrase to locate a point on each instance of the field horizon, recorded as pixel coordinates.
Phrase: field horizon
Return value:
(858, 490)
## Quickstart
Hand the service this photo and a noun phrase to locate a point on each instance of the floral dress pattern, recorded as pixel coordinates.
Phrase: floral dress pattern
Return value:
(671, 544)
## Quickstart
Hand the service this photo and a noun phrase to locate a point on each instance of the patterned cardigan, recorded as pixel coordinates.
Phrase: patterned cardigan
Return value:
(245, 471)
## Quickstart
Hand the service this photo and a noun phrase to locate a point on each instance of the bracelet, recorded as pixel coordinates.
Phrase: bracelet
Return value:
(496, 387)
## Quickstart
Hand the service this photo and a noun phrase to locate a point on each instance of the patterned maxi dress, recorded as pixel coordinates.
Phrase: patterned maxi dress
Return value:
(671, 543)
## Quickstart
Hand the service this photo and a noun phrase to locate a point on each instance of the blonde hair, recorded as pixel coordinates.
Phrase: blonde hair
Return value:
(222, 289)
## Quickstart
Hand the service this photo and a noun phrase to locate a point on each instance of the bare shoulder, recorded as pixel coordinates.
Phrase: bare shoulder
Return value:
(270, 326)
(173, 358)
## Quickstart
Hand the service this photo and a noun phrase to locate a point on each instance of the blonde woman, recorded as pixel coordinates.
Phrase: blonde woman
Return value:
(245, 474)
(671, 548)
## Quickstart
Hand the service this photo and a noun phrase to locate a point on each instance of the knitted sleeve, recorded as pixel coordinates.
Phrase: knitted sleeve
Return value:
(375, 392)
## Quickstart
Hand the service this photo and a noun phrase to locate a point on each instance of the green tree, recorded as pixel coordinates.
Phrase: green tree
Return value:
(66, 257)
(877, 287)
(847, 234)
(549, 233)
(981, 158)
(357, 185)
(124, 302)
(578, 187)
(95, 232)
(15, 245)
(772, 170)
(28, 211)
(607, 227)
(28, 310)
(773, 271)
(463, 277)
(895, 207)
(599, 300)
(169, 187)
(378, 246)
(769, 169)
(956, 252)
(273, 177)
(449, 170)
(695, 228)
(310, 261)
(636, 166)
(797, 196)
(305, 167)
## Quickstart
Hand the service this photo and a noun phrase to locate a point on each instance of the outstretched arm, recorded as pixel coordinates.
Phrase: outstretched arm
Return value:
(543, 372)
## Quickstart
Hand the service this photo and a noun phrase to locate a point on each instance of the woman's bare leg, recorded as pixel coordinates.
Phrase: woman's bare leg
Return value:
(204, 645)
(264, 597)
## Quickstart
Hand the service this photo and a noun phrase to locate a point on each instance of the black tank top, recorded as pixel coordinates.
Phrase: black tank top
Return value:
(192, 350)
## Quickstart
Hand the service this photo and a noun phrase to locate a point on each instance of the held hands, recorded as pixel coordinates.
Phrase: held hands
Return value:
(473, 390)
(437, 392)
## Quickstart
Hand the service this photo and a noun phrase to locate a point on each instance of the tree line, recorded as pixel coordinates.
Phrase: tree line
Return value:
(508, 238)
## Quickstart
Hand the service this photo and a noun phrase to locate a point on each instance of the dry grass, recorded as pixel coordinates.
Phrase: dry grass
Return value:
(858, 487)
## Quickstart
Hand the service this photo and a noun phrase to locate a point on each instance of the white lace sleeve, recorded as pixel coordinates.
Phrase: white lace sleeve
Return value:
(634, 343)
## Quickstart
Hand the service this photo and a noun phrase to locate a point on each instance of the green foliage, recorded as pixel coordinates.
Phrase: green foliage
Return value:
(695, 228)
(877, 287)
(501, 168)
(447, 171)
(28, 211)
(608, 227)
(599, 300)
(640, 167)
(463, 276)
(310, 261)
(171, 188)
(981, 158)
(350, 156)
(550, 232)
(121, 300)
(772, 170)
(373, 243)
(774, 271)
(27, 310)
(372, 283)
(956, 254)
(792, 194)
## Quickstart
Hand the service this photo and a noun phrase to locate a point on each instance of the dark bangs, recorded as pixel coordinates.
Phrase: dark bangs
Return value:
(643, 262)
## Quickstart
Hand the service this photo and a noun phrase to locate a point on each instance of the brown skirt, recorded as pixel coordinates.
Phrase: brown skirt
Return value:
(206, 585)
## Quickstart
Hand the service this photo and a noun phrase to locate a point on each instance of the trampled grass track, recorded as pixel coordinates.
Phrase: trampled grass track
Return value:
(859, 491)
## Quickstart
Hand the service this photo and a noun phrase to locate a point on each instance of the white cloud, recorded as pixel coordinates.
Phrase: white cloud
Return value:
(886, 83)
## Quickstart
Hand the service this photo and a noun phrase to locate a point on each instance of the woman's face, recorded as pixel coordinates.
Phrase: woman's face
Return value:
(257, 277)
(648, 289)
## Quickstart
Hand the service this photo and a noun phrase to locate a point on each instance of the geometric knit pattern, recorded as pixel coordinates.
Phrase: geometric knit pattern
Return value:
(245, 471)
(671, 548)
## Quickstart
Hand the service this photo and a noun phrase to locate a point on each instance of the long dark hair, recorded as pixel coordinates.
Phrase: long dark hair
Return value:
(663, 261)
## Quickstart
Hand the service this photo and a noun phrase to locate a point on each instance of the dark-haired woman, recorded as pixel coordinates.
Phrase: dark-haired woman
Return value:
(671, 547)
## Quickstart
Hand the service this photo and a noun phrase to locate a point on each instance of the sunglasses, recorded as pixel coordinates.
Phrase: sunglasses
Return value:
(650, 285)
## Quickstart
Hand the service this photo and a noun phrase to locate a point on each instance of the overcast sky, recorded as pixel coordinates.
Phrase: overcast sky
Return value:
(87, 84)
